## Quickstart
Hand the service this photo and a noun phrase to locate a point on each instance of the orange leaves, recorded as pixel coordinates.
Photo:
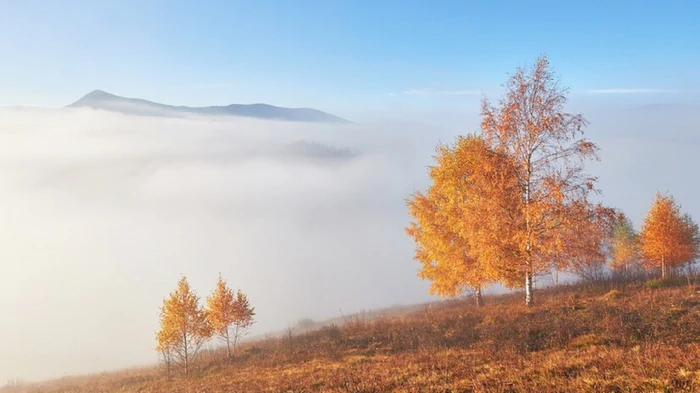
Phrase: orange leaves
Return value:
(229, 314)
(243, 316)
(221, 307)
(545, 145)
(668, 239)
(515, 200)
(442, 253)
(183, 326)
(451, 224)
(582, 238)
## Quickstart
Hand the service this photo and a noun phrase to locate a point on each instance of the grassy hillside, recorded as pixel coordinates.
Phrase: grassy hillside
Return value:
(603, 338)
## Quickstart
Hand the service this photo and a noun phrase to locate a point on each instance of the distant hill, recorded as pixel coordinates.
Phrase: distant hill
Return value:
(99, 99)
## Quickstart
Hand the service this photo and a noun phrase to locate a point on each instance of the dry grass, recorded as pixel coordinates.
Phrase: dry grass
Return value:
(603, 338)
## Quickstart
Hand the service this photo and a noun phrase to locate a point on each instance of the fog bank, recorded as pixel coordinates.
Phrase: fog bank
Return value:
(102, 213)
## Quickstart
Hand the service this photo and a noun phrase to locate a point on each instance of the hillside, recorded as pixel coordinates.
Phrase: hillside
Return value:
(99, 99)
(609, 337)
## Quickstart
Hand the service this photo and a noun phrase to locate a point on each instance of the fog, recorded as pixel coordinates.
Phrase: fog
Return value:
(101, 213)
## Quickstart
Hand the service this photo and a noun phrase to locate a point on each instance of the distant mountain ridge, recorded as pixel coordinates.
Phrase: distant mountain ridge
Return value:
(99, 99)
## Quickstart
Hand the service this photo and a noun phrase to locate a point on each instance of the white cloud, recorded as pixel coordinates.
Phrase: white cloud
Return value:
(436, 92)
(632, 91)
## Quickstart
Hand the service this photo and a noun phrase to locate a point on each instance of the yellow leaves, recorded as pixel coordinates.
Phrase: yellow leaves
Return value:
(668, 238)
(229, 314)
(243, 312)
(449, 225)
(183, 326)
(221, 308)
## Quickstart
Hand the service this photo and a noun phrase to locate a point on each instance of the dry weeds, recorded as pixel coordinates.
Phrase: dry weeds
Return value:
(604, 338)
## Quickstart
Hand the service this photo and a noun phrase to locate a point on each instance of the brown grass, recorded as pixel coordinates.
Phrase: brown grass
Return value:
(626, 338)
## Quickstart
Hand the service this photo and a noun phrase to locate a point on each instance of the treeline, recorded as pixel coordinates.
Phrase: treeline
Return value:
(513, 201)
(185, 325)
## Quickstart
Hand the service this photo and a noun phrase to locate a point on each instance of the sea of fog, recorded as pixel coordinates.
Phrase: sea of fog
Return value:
(101, 213)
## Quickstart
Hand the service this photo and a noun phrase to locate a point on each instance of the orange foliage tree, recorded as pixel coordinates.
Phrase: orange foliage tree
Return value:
(547, 147)
(582, 244)
(183, 327)
(455, 241)
(229, 314)
(243, 319)
(668, 239)
(513, 202)
(221, 311)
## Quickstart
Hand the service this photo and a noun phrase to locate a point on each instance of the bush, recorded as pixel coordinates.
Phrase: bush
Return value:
(657, 283)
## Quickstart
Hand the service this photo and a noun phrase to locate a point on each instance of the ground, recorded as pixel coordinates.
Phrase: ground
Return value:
(605, 337)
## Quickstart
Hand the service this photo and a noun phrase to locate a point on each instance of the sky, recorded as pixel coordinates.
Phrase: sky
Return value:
(102, 213)
(344, 57)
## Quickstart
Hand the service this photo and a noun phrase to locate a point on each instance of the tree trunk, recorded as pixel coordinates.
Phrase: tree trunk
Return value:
(186, 363)
(528, 289)
(528, 243)
(556, 277)
(235, 339)
(228, 344)
(663, 268)
(479, 298)
(187, 360)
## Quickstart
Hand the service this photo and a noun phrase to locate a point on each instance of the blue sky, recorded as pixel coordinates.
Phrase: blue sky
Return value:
(340, 56)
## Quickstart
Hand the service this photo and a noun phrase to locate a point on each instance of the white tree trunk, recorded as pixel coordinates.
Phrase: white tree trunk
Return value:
(528, 289)
(663, 268)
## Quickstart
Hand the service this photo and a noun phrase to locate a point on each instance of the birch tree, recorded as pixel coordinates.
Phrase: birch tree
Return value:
(452, 224)
(669, 239)
(514, 200)
(546, 144)
(221, 312)
(183, 327)
(244, 318)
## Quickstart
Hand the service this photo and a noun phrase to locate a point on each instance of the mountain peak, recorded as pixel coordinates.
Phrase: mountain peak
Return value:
(92, 97)
(100, 99)
(98, 92)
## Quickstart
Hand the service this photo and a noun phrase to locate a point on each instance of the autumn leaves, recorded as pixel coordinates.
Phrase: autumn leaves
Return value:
(504, 204)
(185, 326)
(514, 200)
(229, 315)
(669, 239)
(457, 246)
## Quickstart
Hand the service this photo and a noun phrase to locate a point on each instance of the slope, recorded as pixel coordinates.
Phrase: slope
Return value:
(608, 337)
